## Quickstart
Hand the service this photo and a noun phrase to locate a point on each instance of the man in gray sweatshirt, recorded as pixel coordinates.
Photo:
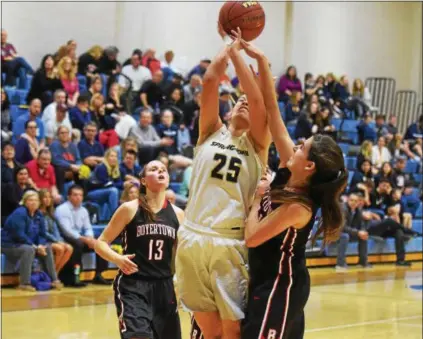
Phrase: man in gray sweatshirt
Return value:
(148, 141)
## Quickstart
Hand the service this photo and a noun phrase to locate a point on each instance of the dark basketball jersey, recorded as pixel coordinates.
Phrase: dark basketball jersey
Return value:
(281, 254)
(151, 242)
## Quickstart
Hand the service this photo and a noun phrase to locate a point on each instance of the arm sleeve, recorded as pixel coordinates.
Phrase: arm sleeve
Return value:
(87, 228)
(42, 234)
(155, 142)
(66, 224)
(18, 225)
(56, 156)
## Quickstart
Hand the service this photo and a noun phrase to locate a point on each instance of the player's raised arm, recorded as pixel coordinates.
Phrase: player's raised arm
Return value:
(210, 121)
(280, 135)
(258, 129)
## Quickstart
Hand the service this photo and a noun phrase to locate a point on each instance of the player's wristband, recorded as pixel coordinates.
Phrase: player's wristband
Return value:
(228, 40)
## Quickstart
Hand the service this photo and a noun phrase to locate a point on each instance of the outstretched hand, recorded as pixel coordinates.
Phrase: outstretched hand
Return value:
(251, 50)
(237, 37)
(220, 30)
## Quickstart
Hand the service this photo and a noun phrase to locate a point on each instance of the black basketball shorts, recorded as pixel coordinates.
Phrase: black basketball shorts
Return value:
(146, 309)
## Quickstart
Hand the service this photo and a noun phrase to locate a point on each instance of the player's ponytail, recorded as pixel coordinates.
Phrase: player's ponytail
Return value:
(142, 200)
(327, 185)
(324, 190)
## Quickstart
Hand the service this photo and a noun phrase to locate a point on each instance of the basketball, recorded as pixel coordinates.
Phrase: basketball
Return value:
(247, 15)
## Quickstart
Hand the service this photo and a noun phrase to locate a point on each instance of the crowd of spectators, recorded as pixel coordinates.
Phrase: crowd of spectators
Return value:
(93, 123)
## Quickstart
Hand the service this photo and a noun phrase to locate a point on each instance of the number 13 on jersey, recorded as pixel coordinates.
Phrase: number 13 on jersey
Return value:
(223, 172)
(155, 249)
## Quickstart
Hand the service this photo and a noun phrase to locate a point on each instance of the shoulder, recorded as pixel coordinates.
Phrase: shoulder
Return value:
(128, 210)
(302, 214)
(180, 214)
(31, 165)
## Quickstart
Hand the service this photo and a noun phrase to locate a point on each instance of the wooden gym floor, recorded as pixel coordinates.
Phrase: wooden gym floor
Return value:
(383, 302)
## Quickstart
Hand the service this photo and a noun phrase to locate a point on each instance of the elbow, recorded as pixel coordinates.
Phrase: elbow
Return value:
(210, 78)
(250, 242)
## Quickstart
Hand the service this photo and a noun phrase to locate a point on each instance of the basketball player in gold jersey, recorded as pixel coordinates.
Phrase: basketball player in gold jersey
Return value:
(211, 260)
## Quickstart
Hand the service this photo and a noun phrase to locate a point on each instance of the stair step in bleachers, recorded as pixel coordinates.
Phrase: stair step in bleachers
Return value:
(351, 163)
(419, 212)
(344, 147)
(16, 111)
(418, 225)
(411, 167)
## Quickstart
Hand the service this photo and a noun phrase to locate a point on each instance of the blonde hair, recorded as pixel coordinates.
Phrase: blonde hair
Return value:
(330, 74)
(125, 193)
(366, 148)
(27, 195)
(61, 69)
(96, 51)
(94, 98)
(358, 91)
(114, 172)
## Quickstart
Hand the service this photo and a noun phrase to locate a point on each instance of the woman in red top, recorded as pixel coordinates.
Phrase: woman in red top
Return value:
(67, 75)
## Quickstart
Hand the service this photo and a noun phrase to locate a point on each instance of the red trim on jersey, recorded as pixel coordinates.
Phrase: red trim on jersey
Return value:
(165, 204)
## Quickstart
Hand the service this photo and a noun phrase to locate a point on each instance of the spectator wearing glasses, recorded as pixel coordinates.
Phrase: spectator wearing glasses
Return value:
(91, 151)
(32, 115)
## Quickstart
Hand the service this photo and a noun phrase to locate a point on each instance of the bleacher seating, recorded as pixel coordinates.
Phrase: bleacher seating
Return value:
(351, 163)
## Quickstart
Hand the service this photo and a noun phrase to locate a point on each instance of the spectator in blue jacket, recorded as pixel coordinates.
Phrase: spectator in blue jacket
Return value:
(106, 181)
(24, 237)
(167, 129)
(32, 115)
(415, 130)
(27, 147)
(129, 170)
(365, 130)
(91, 151)
(200, 69)
(80, 115)
(65, 157)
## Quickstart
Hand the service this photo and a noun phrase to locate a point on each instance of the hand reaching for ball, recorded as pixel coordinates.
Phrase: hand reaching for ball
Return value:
(251, 50)
(237, 37)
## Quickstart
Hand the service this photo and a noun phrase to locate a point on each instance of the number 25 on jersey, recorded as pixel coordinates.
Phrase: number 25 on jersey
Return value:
(229, 172)
(155, 249)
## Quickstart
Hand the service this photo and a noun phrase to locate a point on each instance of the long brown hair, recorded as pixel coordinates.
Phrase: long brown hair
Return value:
(49, 209)
(143, 203)
(325, 187)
